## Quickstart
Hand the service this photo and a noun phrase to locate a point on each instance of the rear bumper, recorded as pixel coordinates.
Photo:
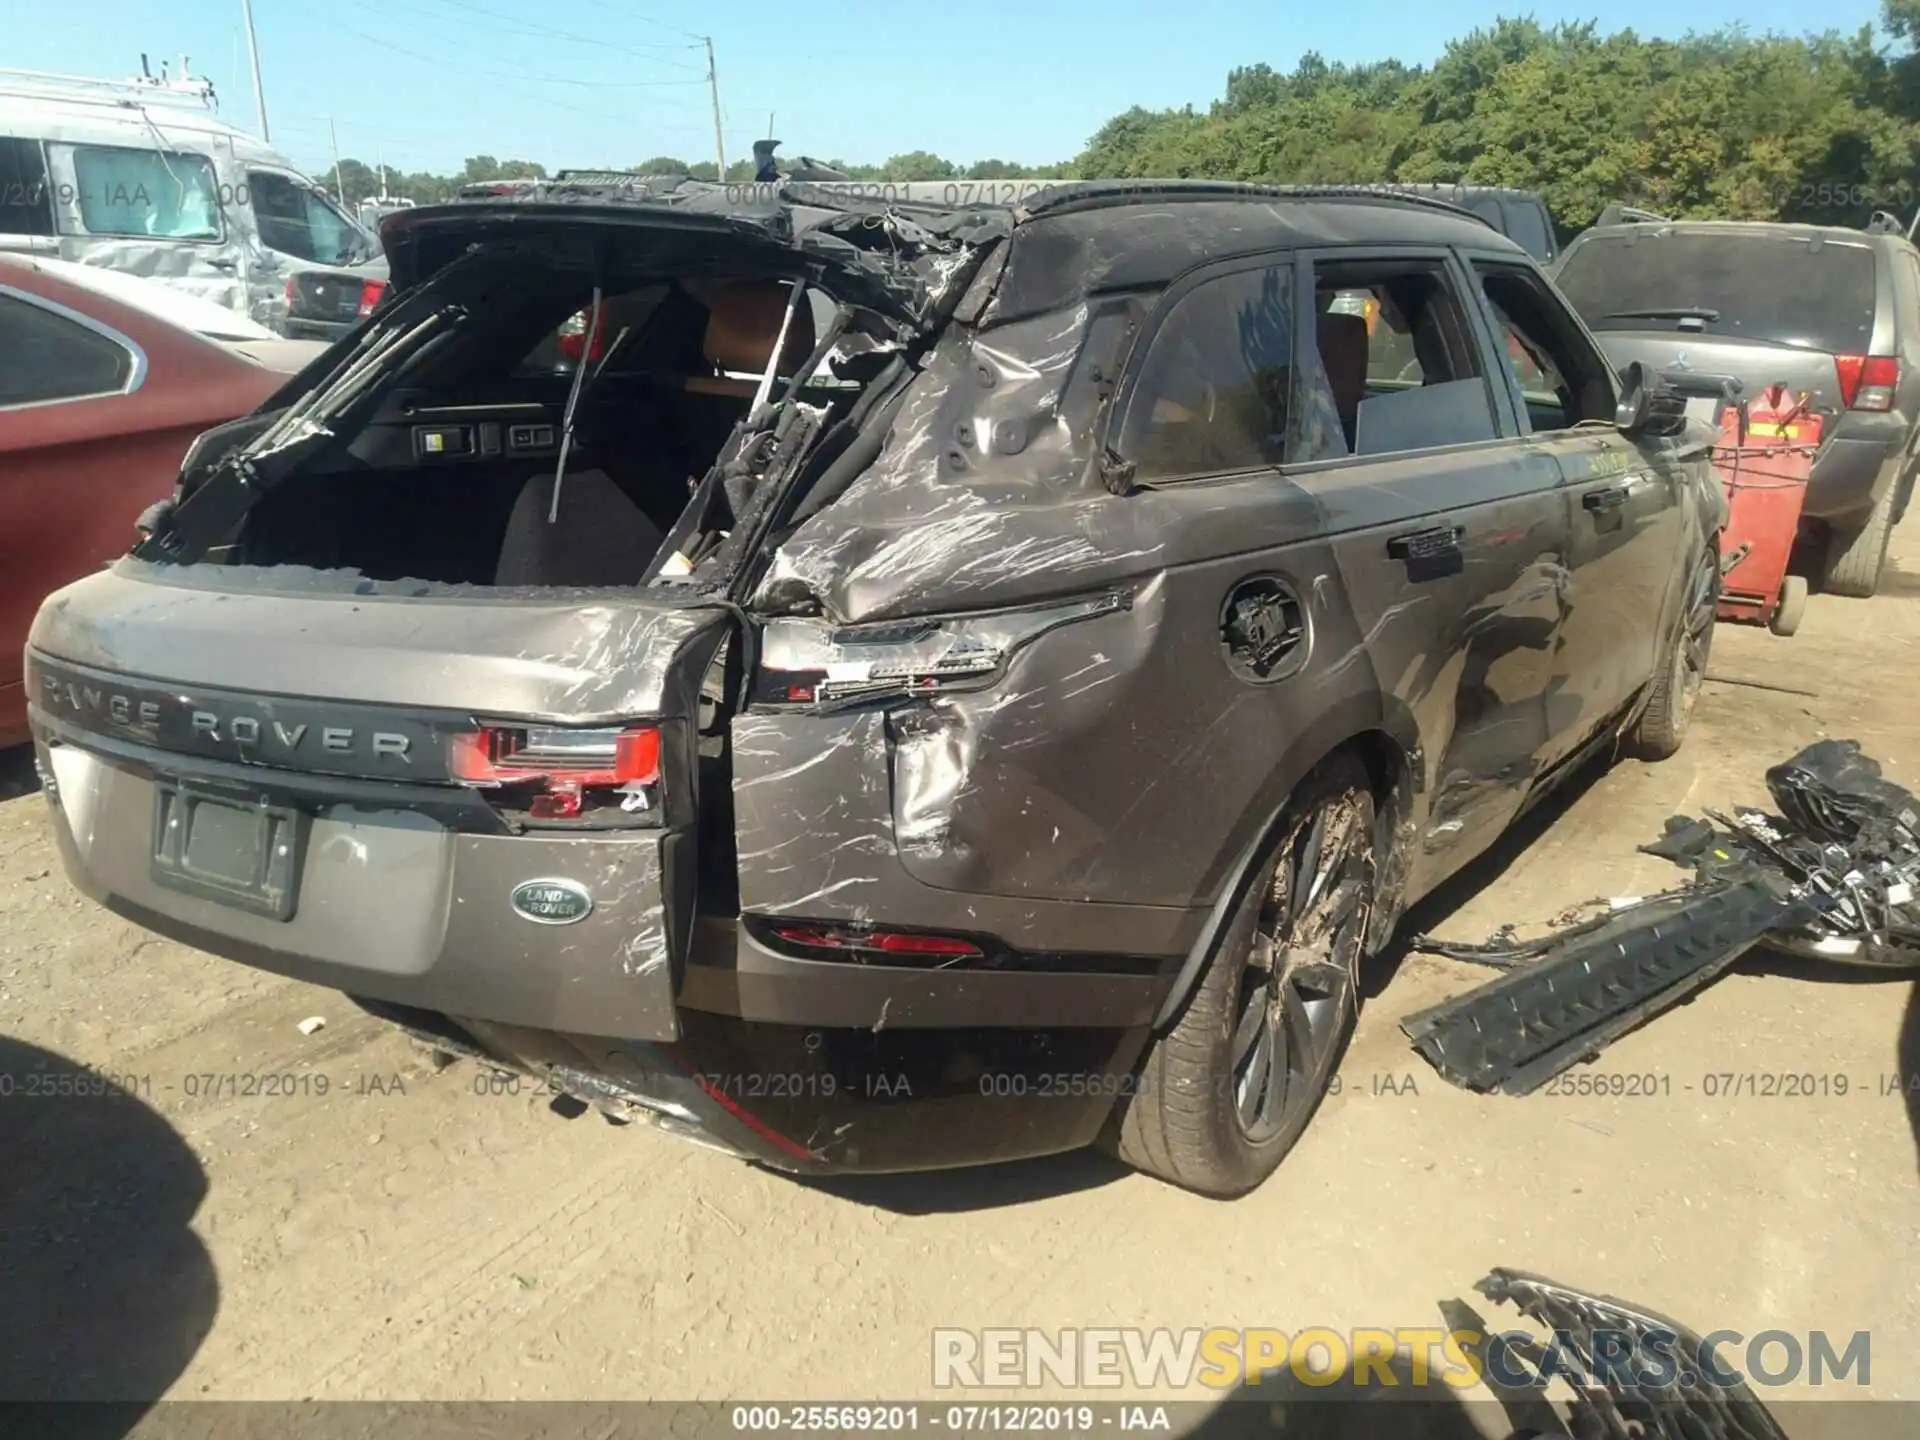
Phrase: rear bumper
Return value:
(1857, 467)
(818, 1101)
(299, 327)
(809, 1066)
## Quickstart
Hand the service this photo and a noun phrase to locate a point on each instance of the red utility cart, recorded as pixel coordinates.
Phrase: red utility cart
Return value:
(1764, 464)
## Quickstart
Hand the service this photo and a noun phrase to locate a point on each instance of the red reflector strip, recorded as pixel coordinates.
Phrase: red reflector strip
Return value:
(884, 942)
(752, 1122)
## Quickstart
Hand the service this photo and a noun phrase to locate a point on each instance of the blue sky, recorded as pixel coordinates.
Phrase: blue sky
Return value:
(595, 82)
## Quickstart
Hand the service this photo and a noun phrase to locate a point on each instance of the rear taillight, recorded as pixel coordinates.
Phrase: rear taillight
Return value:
(562, 773)
(370, 294)
(290, 290)
(1867, 382)
(572, 338)
(908, 944)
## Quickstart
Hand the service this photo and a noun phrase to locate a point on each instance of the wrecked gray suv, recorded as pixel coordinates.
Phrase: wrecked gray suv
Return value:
(877, 686)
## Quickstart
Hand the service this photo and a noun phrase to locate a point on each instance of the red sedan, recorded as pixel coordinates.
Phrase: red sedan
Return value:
(104, 382)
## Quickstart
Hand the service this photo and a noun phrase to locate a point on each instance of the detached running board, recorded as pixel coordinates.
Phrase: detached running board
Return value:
(1515, 1033)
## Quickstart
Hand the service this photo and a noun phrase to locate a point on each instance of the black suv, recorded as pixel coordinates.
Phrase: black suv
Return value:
(1824, 309)
(900, 685)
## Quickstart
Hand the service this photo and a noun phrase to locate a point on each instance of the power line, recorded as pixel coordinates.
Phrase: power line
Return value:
(509, 77)
(599, 42)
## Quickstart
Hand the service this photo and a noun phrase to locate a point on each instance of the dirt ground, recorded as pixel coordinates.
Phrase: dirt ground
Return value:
(405, 1237)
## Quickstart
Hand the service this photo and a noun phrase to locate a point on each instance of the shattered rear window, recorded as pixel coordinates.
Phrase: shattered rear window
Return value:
(1765, 286)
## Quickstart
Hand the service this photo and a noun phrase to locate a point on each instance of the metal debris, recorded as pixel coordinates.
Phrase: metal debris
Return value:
(1833, 876)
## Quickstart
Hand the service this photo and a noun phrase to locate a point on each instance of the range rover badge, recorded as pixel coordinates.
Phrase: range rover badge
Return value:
(552, 902)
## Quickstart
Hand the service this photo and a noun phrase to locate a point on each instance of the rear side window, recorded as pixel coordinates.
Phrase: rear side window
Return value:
(26, 199)
(1726, 284)
(45, 355)
(1398, 367)
(164, 195)
(1213, 393)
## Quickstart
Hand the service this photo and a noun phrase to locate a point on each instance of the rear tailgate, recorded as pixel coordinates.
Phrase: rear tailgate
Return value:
(1768, 305)
(310, 718)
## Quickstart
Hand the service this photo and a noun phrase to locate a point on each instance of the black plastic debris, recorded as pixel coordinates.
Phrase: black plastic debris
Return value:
(1834, 875)
(1515, 1033)
(1629, 1371)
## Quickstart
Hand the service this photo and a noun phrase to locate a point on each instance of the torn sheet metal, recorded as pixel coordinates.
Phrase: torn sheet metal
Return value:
(1835, 877)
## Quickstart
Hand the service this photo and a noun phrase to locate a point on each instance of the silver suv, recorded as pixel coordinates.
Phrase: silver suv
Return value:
(1827, 310)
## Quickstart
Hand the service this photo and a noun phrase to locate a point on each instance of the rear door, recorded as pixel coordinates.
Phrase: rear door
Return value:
(65, 380)
(1452, 520)
(1625, 497)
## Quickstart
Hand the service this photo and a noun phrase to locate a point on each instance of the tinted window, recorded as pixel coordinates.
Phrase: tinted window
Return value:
(295, 219)
(146, 192)
(1760, 286)
(26, 201)
(1213, 392)
(46, 356)
(1396, 365)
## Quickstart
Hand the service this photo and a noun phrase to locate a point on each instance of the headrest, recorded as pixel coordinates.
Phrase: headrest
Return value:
(743, 321)
(1343, 352)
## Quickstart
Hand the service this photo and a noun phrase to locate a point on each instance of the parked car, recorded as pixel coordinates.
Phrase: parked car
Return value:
(1018, 738)
(1822, 309)
(326, 304)
(146, 179)
(105, 379)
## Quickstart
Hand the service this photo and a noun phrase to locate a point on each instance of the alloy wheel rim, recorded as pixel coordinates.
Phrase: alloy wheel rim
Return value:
(1299, 978)
(1696, 641)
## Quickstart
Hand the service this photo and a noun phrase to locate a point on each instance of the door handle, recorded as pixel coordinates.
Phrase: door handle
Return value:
(1612, 498)
(222, 264)
(1426, 544)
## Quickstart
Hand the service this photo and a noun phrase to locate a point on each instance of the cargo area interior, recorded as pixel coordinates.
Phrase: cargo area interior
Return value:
(447, 472)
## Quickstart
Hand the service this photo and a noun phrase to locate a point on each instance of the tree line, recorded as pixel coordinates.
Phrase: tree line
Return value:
(1823, 128)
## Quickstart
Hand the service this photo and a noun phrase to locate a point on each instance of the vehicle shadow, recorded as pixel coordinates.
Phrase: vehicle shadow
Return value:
(1414, 1406)
(17, 775)
(979, 1187)
(1908, 1059)
(105, 1293)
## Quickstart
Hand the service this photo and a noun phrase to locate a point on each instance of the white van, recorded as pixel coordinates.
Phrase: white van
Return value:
(142, 177)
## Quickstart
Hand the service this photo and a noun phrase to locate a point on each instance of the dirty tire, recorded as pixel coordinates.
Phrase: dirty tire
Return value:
(1856, 556)
(1662, 727)
(1792, 608)
(1205, 1114)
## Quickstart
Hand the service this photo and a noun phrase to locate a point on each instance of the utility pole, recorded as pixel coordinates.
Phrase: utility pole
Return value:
(339, 190)
(253, 54)
(713, 86)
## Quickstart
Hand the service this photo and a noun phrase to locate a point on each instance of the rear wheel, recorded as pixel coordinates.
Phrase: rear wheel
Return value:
(1662, 727)
(1857, 554)
(1225, 1094)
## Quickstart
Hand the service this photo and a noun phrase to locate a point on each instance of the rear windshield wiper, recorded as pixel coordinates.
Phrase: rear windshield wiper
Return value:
(1665, 312)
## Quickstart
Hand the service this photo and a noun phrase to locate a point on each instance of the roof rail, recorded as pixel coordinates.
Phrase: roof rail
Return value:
(187, 90)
